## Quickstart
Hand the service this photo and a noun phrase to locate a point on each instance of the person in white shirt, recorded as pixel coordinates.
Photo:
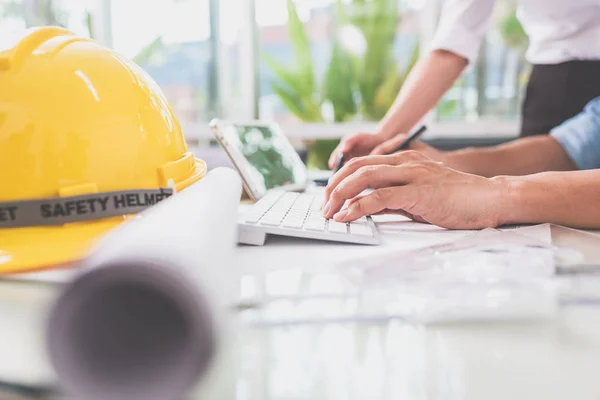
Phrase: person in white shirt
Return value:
(564, 37)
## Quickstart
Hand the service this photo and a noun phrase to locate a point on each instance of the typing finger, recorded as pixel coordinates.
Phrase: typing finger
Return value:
(355, 199)
(406, 214)
(369, 177)
(374, 203)
(351, 167)
(380, 200)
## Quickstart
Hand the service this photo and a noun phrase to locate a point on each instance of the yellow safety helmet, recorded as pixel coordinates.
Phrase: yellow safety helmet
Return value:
(87, 140)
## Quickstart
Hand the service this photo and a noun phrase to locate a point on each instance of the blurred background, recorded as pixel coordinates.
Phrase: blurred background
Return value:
(320, 68)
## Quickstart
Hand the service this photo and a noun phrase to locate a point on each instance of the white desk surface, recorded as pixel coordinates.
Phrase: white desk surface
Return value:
(556, 358)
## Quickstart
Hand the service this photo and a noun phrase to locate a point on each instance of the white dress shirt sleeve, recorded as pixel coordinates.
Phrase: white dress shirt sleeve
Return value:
(462, 26)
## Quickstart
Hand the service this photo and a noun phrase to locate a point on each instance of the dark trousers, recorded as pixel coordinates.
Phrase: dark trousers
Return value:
(558, 92)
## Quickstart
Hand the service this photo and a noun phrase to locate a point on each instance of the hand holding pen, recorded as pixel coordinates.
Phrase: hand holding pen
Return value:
(403, 145)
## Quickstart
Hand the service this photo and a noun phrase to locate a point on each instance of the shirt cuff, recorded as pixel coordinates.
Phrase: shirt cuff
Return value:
(458, 40)
(580, 137)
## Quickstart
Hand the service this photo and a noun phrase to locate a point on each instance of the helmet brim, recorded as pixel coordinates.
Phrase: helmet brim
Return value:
(40, 248)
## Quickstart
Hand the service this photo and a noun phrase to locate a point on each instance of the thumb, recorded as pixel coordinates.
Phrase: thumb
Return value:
(388, 146)
(335, 154)
(346, 145)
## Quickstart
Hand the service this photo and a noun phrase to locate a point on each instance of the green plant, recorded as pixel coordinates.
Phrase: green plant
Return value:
(512, 32)
(377, 21)
(339, 92)
(297, 87)
(146, 53)
(355, 85)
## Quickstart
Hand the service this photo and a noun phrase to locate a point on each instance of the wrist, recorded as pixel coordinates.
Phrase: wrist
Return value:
(514, 200)
(387, 129)
(455, 160)
(384, 135)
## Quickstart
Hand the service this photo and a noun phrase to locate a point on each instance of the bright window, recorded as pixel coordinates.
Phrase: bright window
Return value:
(493, 87)
(16, 15)
(355, 62)
(244, 59)
(170, 39)
(186, 48)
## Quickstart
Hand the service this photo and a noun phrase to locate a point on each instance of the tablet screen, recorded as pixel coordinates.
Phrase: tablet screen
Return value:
(270, 159)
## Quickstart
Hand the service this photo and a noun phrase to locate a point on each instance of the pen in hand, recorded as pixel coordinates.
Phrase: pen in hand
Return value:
(409, 139)
(402, 146)
(338, 165)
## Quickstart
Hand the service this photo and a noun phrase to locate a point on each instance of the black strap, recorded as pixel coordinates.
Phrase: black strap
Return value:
(63, 210)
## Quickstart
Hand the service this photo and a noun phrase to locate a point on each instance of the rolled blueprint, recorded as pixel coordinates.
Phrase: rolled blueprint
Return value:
(144, 318)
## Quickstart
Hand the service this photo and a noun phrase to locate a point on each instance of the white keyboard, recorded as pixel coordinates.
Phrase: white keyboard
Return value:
(299, 215)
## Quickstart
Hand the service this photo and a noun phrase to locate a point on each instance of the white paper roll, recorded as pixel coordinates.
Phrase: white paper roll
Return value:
(144, 318)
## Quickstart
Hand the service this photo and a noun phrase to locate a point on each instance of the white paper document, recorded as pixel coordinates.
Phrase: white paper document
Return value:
(392, 223)
(488, 274)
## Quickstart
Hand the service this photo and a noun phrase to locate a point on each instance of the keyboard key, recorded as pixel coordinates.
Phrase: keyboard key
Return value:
(273, 212)
(270, 222)
(337, 227)
(303, 201)
(315, 225)
(360, 229)
(294, 216)
(297, 212)
(272, 219)
(316, 204)
(290, 196)
(291, 223)
(316, 214)
(252, 218)
(316, 221)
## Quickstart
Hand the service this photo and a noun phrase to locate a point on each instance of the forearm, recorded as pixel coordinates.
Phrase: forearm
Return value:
(563, 198)
(424, 87)
(520, 157)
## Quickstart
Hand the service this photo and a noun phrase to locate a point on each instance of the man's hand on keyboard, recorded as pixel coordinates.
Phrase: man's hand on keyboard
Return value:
(413, 185)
